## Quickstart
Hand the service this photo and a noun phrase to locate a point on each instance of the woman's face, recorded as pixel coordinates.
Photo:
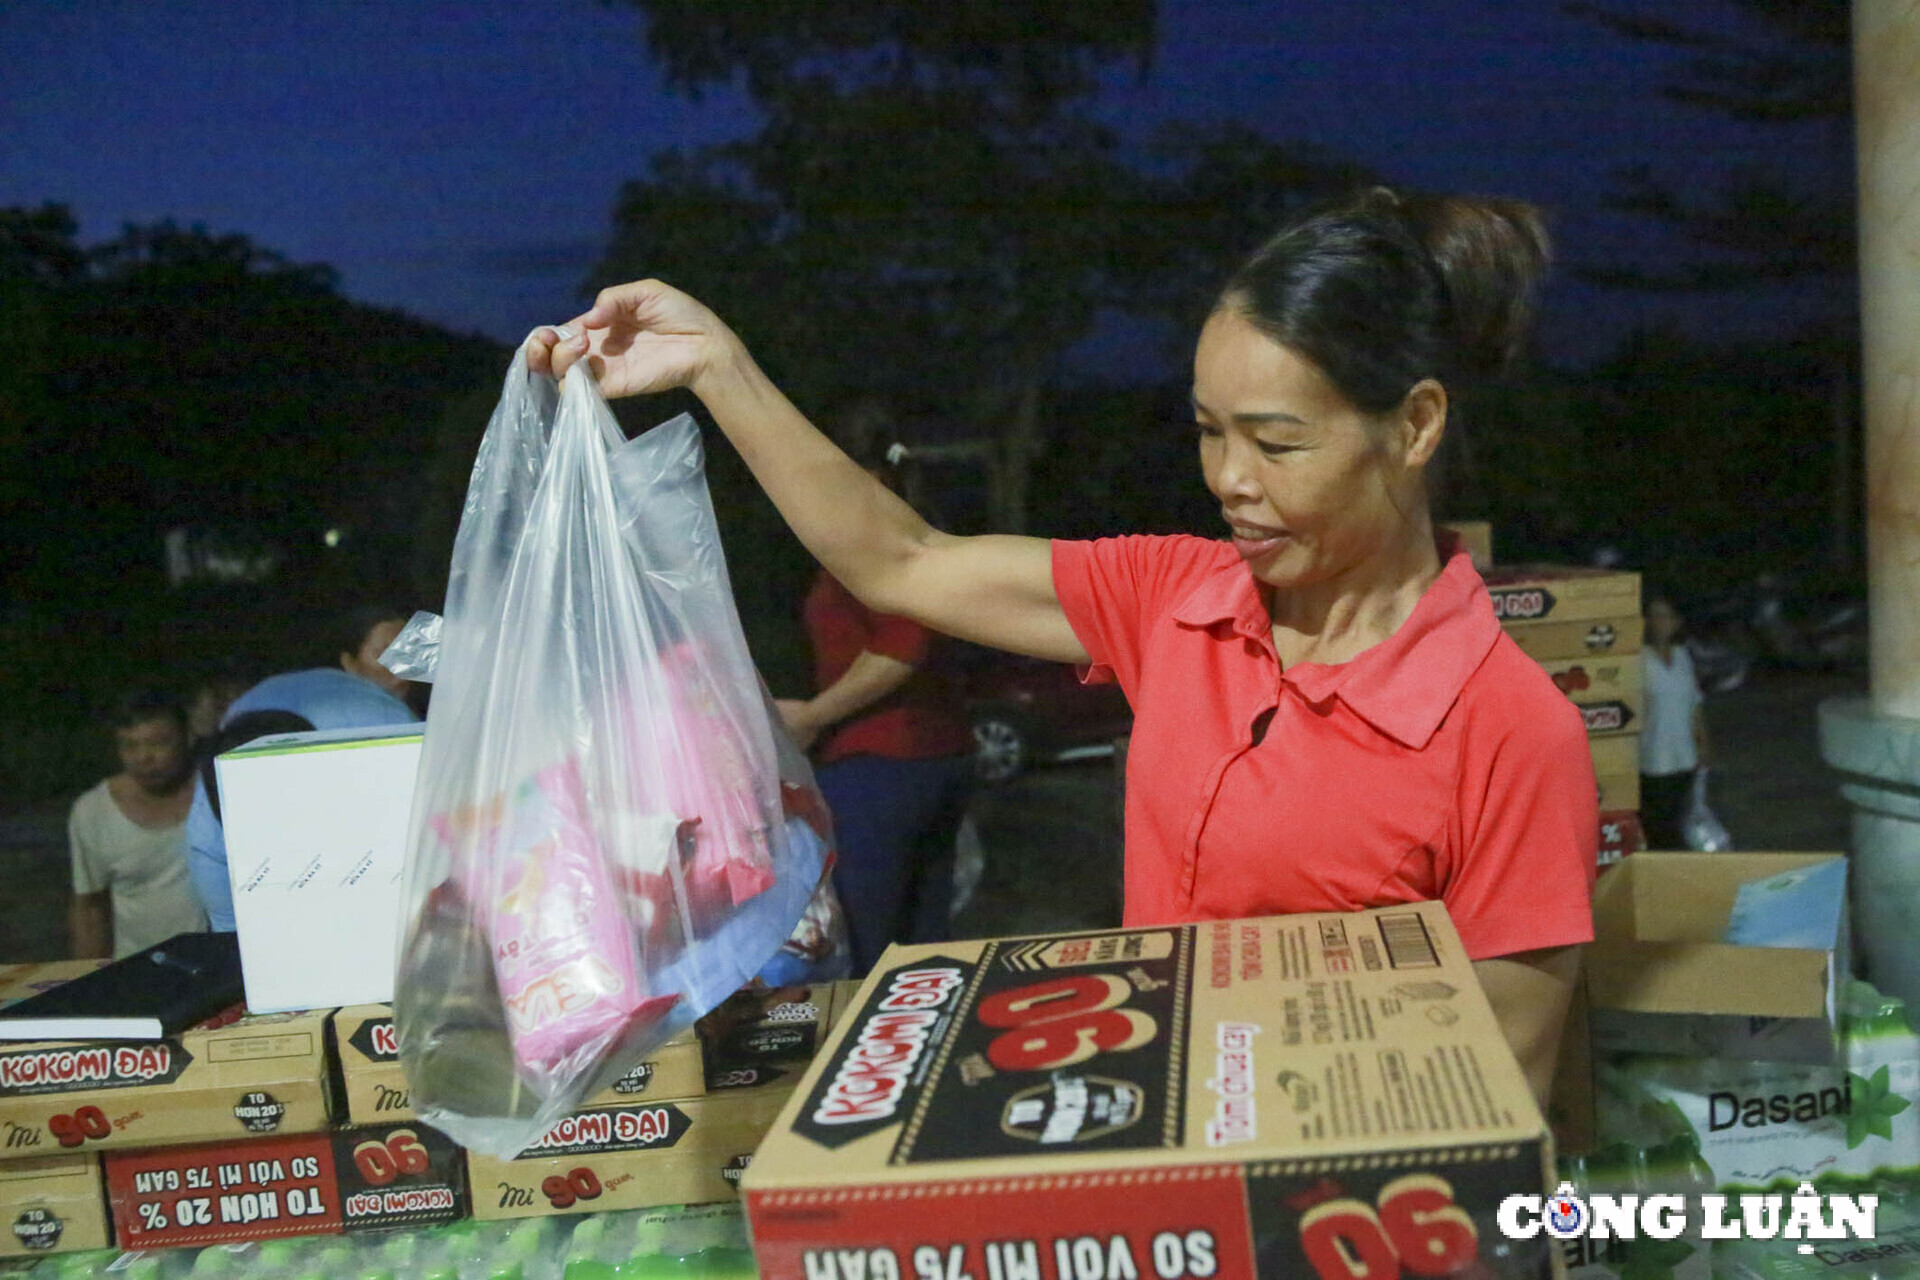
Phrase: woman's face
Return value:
(1309, 486)
(366, 662)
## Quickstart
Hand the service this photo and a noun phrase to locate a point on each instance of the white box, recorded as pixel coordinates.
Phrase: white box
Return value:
(316, 827)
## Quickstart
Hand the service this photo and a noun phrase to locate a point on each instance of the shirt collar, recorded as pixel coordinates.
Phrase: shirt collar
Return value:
(1405, 685)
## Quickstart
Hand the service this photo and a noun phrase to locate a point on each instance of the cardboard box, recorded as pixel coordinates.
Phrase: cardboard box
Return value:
(769, 1037)
(760, 1038)
(316, 830)
(1619, 792)
(1620, 835)
(52, 1204)
(1586, 638)
(1232, 1098)
(1477, 537)
(376, 1089)
(1616, 753)
(19, 981)
(1661, 979)
(259, 1075)
(1554, 593)
(358, 1179)
(846, 994)
(1607, 691)
(630, 1157)
(1616, 766)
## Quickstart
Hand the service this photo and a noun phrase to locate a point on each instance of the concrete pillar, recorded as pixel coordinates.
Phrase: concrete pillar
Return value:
(1875, 742)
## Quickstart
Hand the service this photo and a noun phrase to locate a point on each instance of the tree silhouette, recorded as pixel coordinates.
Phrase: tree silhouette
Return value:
(932, 213)
(171, 376)
(1790, 65)
(1780, 62)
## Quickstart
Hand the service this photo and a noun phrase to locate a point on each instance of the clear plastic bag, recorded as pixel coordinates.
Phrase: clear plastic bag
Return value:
(610, 833)
(1699, 825)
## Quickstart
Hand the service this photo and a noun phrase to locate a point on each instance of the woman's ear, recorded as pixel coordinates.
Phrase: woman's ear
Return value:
(1423, 421)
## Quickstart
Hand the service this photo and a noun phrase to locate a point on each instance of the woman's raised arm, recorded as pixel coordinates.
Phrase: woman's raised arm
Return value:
(995, 590)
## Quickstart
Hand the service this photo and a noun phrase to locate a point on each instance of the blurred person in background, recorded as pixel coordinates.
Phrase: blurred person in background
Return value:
(126, 837)
(211, 698)
(355, 692)
(1673, 739)
(892, 753)
(361, 635)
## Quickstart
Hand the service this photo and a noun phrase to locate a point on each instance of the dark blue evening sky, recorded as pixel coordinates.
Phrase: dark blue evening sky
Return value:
(459, 161)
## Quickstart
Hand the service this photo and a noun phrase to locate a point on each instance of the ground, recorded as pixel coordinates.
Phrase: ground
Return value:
(1052, 838)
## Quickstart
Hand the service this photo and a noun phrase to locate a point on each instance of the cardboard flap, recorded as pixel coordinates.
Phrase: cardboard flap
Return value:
(1709, 978)
(1683, 897)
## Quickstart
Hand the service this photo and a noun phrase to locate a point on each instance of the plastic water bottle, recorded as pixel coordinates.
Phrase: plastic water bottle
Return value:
(714, 1238)
(584, 1252)
(402, 1252)
(77, 1266)
(215, 1261)
(278, 1257)
(530, 1247)
(335, 1259)
(657, 1250)
(458, 1247)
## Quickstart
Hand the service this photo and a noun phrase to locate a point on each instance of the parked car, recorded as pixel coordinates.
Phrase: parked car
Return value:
(1025, 712)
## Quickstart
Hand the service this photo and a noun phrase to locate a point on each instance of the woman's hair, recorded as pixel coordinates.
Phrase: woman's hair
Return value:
(1381, 290)
(351, 628)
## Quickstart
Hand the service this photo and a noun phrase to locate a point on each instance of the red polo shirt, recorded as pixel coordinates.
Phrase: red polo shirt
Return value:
(920, 719)
(1441, 763)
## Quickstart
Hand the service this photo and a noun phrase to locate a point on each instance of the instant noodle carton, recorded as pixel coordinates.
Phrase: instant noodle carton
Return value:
(1581, 638)
(630, 1157)
(761, 1038)
(247, 1078)
(1620, 835)
(1607, 690)
(19, 981)
(755, 1040)
(52, 1204)
(1300, 1096)
(356, 1179)
(1557, 593)
(376, 1089)
(1616, 767)
(1476, 536)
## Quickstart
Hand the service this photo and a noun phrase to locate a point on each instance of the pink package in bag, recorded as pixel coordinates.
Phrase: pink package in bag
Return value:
(715, 786)
(562, 949)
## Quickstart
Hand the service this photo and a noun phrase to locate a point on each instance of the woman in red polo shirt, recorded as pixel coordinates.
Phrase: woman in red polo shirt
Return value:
(1327, 715)
(891, 753)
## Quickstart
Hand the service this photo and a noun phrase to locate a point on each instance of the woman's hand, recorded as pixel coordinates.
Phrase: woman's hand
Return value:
(638, 338)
